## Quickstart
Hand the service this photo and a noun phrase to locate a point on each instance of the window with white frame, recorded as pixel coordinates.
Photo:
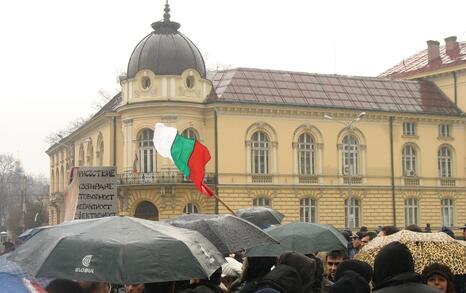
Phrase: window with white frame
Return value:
(307, 210)
(447, 212)
(306, 154)
(411, 212)
(190, 208)
(260, 153)
(445, 162)
(261, 202)
(350, 155)
(190, 133)
(146, 151)
(409, 128)
(444, 130)
(354, 210)
(409, 160)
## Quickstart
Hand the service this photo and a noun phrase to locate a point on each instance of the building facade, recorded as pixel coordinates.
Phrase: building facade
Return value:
(342, 150)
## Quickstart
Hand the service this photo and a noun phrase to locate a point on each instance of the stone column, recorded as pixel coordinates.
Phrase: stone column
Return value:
(128, 145)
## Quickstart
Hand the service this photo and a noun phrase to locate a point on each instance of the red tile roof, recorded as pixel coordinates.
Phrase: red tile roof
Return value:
(418, 63)
(258, 86)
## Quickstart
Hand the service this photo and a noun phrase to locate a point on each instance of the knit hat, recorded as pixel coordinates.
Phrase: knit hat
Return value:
(393, 259)
(439, 269)
(350, 282)
(360, 267)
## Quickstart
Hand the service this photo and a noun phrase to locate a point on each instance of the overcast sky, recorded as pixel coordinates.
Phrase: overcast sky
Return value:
(56, 55)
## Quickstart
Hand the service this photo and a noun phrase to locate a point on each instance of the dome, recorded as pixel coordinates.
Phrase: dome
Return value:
(166, 51)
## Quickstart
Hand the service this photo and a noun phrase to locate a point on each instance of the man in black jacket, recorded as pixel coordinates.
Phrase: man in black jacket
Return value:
(394, 271)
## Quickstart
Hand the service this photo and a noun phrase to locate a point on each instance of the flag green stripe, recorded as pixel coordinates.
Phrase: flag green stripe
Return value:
(181, 151)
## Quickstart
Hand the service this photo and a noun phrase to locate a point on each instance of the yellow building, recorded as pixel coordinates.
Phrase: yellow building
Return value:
(305, 144)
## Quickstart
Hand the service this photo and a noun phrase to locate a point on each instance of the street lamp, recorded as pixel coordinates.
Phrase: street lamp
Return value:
(348, 168)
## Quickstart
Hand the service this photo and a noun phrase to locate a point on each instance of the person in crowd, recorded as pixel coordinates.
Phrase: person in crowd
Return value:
(367, 237)
(321, 284)
(356, 243)
(63, 286)
(388, 230)
(231, 271)
(427, 228)
(360, 267)
(439, 276)
(394, 271)
(447, 231)
(134, 288)
(8, 247)
(94, 287)
(363, 229)
(254, 269)
(211, 285)
(333, 260)
(293, 274)
(414, 228)
(348, 235)
(306, 268)
(350, 281)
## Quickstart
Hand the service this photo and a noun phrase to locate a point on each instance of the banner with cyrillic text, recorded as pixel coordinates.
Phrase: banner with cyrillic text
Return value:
(97, 192)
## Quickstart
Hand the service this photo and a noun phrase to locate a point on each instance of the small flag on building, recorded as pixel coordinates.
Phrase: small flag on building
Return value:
(189, 155)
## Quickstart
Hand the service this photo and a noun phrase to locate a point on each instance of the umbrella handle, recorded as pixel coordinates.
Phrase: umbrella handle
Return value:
(224, 204)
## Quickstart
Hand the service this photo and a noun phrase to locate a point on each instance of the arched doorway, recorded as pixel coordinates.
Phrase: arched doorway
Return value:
(147, 210)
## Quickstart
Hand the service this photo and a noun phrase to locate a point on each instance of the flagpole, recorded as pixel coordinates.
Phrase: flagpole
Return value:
(224, 204)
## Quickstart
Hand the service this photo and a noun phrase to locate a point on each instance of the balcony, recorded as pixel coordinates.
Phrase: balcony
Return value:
(412, 181)
(308, 179)
(159, 178)
(261, 178)
(354, 180)
(447, 182)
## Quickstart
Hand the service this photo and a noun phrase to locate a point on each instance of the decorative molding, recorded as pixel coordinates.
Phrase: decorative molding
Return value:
(255, 193)
(417, 194)
(447, 194)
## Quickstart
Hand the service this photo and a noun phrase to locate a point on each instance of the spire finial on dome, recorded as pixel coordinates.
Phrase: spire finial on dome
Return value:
(166, 15)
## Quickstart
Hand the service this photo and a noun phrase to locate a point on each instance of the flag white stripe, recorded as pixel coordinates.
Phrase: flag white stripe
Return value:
(163, 139)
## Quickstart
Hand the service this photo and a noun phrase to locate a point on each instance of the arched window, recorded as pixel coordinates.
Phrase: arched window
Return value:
(261, 202)
(90, 154)
(350, 155)
(100, 150)
(447, 212)
(445, 162)
(307, 210)
(190, 133)
(411, 211)
(409, 161)
(146, 151)
(354, 210)
(260, 153)
(306, 154)
(81, 155)
(190, 208)
(147, 210)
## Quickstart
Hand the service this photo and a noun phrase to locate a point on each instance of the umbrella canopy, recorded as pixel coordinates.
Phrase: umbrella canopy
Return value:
(120, 250)
(262, 217)
(26, 235)
(426, 248)
(226, 232)
(11, 283)
(10, 267)
(301, 237)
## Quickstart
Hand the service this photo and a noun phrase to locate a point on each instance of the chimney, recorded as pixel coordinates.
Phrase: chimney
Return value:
(451, 46)
(433, 51)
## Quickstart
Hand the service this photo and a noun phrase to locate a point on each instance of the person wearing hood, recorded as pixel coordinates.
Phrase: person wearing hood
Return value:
(254, 269)
(394, 271)
(350, 281)
(305, 266)
(284, 279)
(439, 276)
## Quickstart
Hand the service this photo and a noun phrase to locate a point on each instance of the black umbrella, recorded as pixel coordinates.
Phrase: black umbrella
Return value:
(262, 217)
(227, 232)
(301, 237)
(120, 250)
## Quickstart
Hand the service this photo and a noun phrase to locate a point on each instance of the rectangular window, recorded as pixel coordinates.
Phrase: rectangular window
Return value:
(444, 130)
(447, 212)
(409, 128)
(411, 212)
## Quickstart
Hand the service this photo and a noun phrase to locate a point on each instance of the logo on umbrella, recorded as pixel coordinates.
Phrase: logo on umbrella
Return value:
(87, 260)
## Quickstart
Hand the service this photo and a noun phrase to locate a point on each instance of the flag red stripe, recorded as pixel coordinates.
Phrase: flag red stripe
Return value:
(197, 161)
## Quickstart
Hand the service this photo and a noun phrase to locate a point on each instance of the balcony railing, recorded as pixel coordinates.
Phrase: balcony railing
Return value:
(411, 181)
(354, 180)
(447, 182)
(159, 178)
(261, 178)
(308, 179)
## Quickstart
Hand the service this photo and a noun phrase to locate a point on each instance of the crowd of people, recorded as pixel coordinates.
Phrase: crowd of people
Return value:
(293, 272)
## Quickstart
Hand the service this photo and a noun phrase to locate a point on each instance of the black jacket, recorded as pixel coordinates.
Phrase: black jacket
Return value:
(408, 282)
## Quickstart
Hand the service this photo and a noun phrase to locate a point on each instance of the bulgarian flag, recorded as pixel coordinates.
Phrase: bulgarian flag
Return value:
(189, 155)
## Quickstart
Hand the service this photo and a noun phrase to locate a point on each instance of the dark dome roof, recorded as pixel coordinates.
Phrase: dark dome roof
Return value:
(166, 51)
